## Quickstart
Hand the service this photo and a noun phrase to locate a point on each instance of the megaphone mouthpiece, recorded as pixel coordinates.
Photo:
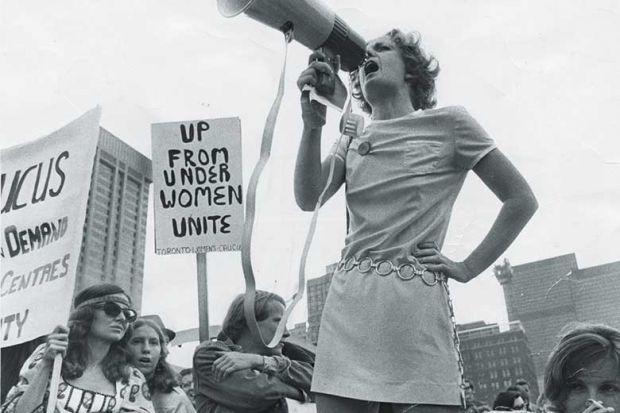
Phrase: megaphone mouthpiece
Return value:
(314, 25)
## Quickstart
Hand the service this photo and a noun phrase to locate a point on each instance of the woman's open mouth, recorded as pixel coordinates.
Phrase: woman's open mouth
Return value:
(144, 361)
(370, 66)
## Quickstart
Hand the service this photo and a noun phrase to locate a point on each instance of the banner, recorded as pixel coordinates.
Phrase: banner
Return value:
(198, 186)
(45, 186)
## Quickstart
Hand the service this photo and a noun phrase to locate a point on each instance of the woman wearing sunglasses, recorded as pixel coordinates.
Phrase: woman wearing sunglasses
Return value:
(95, 376)
(146, 345)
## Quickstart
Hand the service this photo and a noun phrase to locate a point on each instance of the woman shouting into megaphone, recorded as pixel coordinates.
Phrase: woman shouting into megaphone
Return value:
(388, 338)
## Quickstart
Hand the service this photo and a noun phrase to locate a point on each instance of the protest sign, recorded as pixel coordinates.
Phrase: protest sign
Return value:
(45, 186)
(198, 186)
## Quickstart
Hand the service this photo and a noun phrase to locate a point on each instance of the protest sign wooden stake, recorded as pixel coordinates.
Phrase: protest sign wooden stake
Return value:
(203, 298)
(54, 383)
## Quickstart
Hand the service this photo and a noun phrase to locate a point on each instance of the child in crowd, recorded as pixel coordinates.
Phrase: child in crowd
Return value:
(145, 343)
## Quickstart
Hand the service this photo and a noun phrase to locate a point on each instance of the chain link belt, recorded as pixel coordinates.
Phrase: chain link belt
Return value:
(407, 271)
(457, 345)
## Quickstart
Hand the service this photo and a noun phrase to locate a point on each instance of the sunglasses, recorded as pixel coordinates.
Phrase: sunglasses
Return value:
(112, 309)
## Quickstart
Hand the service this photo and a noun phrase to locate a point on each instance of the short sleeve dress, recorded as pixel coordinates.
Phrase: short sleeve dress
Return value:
(383, 338)
(132, 396)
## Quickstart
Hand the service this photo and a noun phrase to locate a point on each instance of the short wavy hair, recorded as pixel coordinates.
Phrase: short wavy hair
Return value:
(578, 348)
(164, 379)
(505, 400)
(234, 323)
(115, 364)
(420, 72)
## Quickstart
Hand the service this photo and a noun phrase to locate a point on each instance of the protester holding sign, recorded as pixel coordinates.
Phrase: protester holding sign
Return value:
(387, 333)
(146, 345)
(95, 371)
(238, 373)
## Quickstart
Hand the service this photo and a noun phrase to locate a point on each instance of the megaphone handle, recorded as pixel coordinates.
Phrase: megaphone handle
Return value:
(325, 84)
(337, 99)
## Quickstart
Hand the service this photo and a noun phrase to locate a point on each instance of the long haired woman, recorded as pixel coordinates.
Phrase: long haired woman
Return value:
(146, 345)
(96, 375)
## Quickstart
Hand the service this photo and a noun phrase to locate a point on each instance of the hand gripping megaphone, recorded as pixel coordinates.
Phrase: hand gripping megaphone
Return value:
(314, 24)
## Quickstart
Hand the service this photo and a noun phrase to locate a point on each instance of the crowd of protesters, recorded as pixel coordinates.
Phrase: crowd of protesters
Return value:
(515, 397)
(115, 361)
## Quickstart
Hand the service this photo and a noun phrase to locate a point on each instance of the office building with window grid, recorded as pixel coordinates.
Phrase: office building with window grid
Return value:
(494, 360)
(550, 295)
(114, 234)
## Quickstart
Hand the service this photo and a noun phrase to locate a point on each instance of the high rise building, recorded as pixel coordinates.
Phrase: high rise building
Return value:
(494, 359)
(300, 331)
(317, 294)
(548, 295)
(114, 235)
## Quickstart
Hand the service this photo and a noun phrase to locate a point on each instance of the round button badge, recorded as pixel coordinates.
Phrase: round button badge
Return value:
(363, 148)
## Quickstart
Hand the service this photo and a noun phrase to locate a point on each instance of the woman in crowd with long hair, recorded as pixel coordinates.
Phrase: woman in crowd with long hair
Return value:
(583, 371)
(146, 345)
(95, 374)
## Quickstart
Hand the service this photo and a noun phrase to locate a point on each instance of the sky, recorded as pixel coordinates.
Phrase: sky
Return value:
(540, 76)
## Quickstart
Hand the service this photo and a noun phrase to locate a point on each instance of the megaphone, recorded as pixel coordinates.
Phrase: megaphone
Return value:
(314, 24)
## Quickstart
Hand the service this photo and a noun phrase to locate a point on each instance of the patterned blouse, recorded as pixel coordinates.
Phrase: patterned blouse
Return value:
(132, 396)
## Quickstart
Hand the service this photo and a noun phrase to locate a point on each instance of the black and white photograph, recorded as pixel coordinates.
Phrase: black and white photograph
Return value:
(310, 206)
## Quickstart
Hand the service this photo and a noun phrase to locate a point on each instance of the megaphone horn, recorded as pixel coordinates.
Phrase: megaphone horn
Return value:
(314, 24)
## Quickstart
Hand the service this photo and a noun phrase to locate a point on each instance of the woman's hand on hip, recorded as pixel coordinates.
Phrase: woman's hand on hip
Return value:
(429, 255)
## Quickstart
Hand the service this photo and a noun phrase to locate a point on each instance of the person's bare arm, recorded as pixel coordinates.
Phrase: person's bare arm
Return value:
(310, 173)
(518, 206)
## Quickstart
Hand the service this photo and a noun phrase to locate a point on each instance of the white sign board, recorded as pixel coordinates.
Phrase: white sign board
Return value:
(198, 186)
(45, 187)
